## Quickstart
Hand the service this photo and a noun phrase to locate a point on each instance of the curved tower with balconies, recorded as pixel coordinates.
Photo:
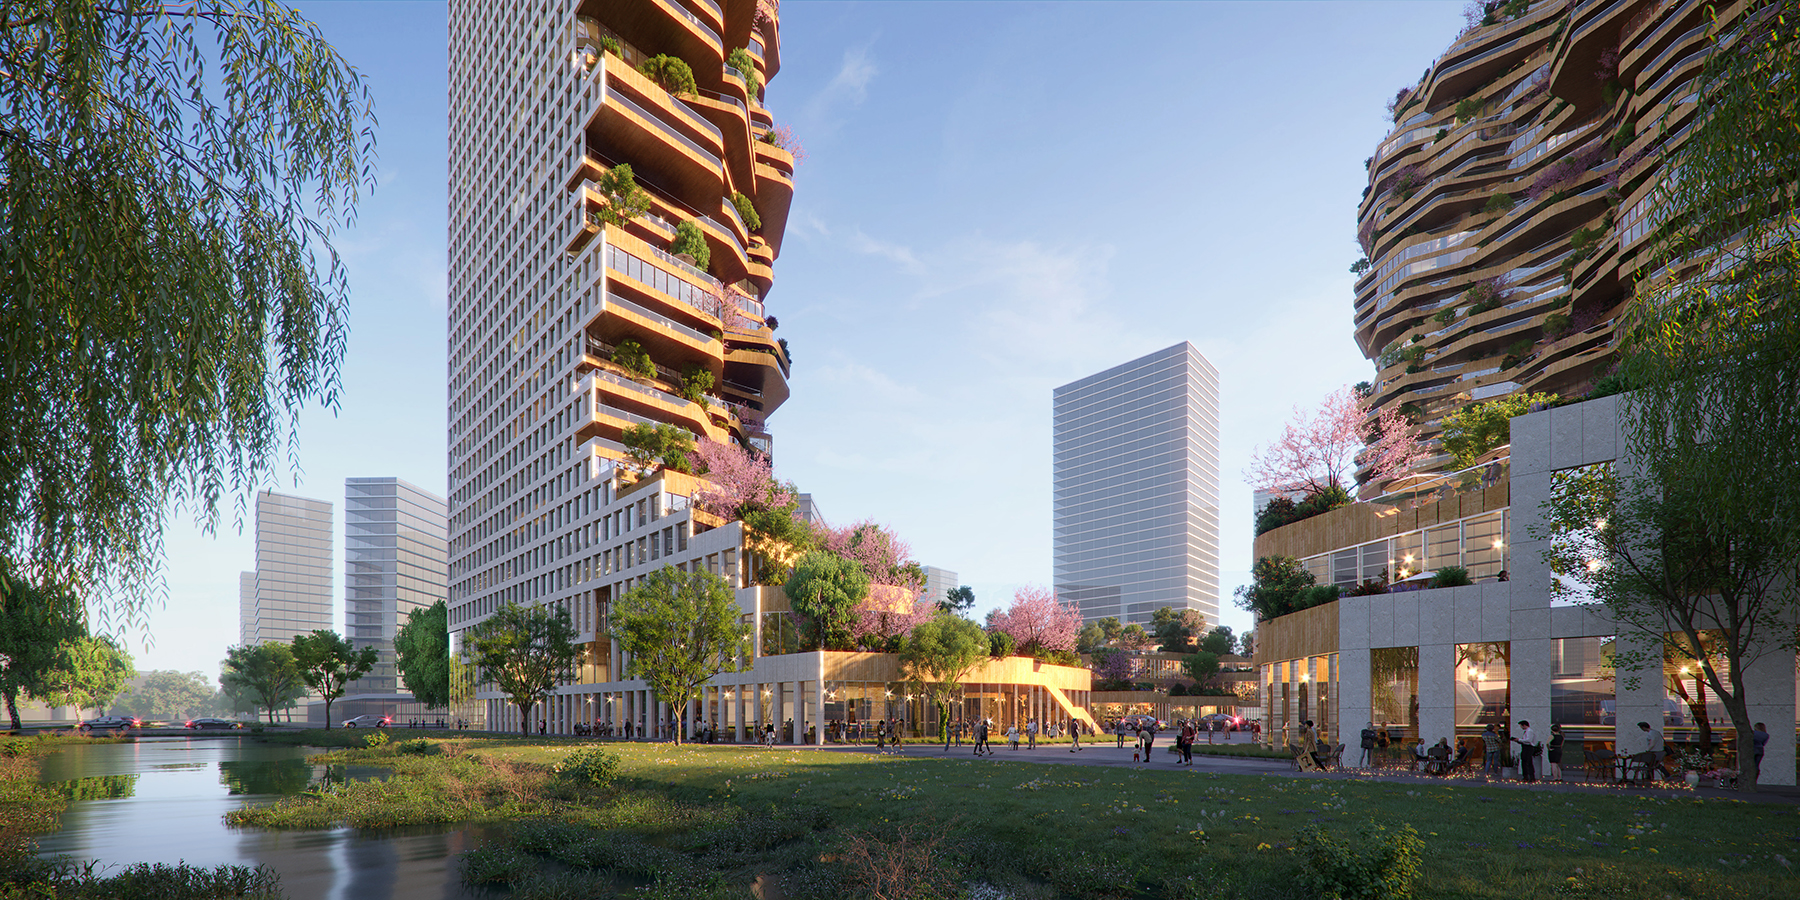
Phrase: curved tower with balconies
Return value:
(1503, 222)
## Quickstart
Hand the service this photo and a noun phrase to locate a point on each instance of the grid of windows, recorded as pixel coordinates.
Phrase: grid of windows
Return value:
(396, 561)
(290, 591)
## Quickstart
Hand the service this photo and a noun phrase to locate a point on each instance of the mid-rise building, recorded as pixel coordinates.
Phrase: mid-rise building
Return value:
(396, 562)
(291, 588)
(1504, 224)
(939, 582)
(1136, 487)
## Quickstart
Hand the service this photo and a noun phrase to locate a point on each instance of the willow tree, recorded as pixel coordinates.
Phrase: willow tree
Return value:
(171, 175)
(1705, 551)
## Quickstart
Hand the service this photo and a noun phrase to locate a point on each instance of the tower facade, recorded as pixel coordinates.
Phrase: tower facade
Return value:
(565, 331)
(291, 588)
(1504, 225)
(1136, 487)
(396, 561)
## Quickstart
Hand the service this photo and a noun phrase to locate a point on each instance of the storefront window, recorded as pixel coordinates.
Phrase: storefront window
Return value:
(1582, 687)
(1394, 691)
(1483, 687)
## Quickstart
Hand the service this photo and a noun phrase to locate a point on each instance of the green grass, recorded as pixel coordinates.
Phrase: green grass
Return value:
(712, 818)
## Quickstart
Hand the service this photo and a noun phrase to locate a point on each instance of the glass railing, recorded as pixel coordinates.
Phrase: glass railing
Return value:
(659, 278)
(756, 44)
(613, 299)
(714, 6)
(666, 128)
(733, 72)
(1435, 488)
(697, 23)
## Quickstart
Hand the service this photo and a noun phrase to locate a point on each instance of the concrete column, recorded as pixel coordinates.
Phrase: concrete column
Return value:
(799, 712)
(1769, 687)
(737, 713)
(1437, 692)
(778, 701)
(1640, 692)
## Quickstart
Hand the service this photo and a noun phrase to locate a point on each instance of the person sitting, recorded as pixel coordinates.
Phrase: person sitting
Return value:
(1462, 758)
(1437, 759)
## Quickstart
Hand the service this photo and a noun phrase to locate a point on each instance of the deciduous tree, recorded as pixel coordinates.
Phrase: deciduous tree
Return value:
(88, 672)
(958, 600)
(939, 653)
(524, 651)
(264, 674)
(826, 590)
(680, 629)
(1479, 427)
(422, 654)
(167, 695)
(1314, 452)
(1276, 587)
(328, 663)
(171, 177)
(1039, 622)
(35, 621)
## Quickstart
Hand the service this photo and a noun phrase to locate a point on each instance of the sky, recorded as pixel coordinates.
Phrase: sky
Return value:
(997, 199)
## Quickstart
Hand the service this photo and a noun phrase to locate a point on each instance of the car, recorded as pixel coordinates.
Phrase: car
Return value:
(369, 721)
(214, 722)
(113, 723)
(1144, 721)
(1220, 722)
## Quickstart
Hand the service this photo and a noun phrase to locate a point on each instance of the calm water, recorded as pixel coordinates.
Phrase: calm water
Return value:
(164, 800)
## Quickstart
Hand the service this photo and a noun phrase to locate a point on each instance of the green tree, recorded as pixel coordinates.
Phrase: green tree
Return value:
(679, 629)
(670, 446)
(624, 200)
(1176, 630)
(741, 60)
(1479, 427)
(746, 211)
(88, 672)
(1247, 644)
(672, 73)
(1203, 667)
(825, 589)
(36, 620)
(939, 653)
(524, 651)
(173, 175)
(691, 240)
(167, 695)
(958, 600)
(1220, 641)
(634, 359)
(328, 664)
(263, 676)
(422, 654)
(1276, 587)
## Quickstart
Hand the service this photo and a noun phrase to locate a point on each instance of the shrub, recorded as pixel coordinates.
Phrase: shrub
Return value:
(631, 356)
(1499, 204)
(668, 445)
(1608, 385)
(1370, 587)
(1381, 865)
(417, 747)
(689, 239)
(741, 60)
(1000, 644)
(672, 73)
(1556, 324)
(1323, 502)
(1468, 108)
(494, 864)
(1445, 316)
(1278, 512)
(624, 199)
(697, 383)
(746, 211)
(1318, 595)
(1451, 576)
(588, 767)
(376, 738)
(610, 44)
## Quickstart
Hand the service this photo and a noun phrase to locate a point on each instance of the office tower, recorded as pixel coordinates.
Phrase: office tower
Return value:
(1136, 487)
(1504, 222)
(938, 582)
(291, 588)
(246, 608)
(396, 561)
(565, 332)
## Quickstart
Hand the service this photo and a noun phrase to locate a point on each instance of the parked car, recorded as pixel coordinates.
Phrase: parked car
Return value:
(1144, 721)
(369, 721)
(214, 722)
(113, 723)
(1220, 722)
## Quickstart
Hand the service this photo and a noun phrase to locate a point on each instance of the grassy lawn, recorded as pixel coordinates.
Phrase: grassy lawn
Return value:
(710, 819)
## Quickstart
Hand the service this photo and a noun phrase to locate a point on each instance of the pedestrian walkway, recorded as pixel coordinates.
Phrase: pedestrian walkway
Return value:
(1104, 754)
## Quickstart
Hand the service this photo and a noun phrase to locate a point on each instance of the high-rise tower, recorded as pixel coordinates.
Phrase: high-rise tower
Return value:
(1136, 487)
(395, 563)
(290, 591)
(564, 331)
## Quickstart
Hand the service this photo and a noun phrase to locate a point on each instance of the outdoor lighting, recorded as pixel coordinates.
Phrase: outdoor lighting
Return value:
(1408, 558)
(1498, 543)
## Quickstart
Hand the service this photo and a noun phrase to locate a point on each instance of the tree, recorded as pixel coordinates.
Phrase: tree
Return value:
(1314, 452)
(328, 663)
(631, 356)
(1479, 427)
(1247, 644)
(1220, 641)
(887, 614)
(648, 446)
(1176, 630)
(1113, 670)
(825, 590)
(36, 620)
(1393, 446)
(524, 650)
(623, 200)
(939, 653)
(1203, 667)
(1038, 622)
(265, 674)
(88, 672)
(737, 480)
(1276, 587)
(958, 600)
(680, 629)
(173, 176)
(672, 73)
(167, 695)
(1132, 638)
(422, 654)
(689, 239)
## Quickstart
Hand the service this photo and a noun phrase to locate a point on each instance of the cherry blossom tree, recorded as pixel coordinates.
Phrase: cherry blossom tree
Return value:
(1315, 452)
(890, 611)
(1037, 621)
(896, 603)
(1394, 448)
(737, 480)
(721, 302)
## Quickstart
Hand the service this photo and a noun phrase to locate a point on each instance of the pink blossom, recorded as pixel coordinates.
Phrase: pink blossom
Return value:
(890, 611)
(1315, 452)
(737, 479)
(1038, 621)
(1117, 667)
(783, 136)
(882, 554)
(1394, 448)
(721, 302)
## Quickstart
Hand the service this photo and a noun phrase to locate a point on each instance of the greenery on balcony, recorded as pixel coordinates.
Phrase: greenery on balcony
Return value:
(1280, 585)
(1283, 511)
(624, 200)
(1499, 205)
(1468, 108)
(661, 444)
(610, 44)
(671, 73)
(690, 241)
(746, 211)
(1516, 352)
(741, 60)
(631, 356)
(697, 383)
(1479, 427)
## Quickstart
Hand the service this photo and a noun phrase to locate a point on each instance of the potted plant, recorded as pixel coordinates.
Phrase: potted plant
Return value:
(1693, 762)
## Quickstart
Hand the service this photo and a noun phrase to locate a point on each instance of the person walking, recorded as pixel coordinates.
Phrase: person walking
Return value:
(1188, 737)
(1490, 751)
(1528, 750)
(981, 738)
(1031, 731)
(1119, 726)
(1555, 753)
(1149, 733)
(1759, 739)
(1368, 745)
(1012, 736)
(1074, 735)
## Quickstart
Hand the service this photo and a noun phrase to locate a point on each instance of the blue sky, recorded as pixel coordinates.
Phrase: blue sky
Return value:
(998, 198)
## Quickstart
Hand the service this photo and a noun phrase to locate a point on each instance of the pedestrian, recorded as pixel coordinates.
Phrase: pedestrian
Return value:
(1528, 750)
(1490, 751)
(981, 738)
(1031, 734)
(1189, 736)
(1149, 739)
(1119, 726)
(1555, 753)
(1368, 744)
(1654, 747)
(1759, 739)
(1075, 735)
(1012, 736)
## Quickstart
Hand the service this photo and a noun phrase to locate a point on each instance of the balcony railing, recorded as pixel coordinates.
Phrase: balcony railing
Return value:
(616, 300)
(664, 127)
(697, 23)
(1431, 489)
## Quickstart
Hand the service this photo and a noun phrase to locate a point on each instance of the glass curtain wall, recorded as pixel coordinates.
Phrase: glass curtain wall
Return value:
(1394, 692)
(1483, 690)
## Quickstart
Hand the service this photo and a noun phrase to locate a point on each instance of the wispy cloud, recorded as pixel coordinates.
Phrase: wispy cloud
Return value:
(901, 254)
(849, 87)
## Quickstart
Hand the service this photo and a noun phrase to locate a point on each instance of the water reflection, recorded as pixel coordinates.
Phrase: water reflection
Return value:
(164, 800)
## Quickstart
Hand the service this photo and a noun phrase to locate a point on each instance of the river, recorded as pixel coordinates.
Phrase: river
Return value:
(165, 799)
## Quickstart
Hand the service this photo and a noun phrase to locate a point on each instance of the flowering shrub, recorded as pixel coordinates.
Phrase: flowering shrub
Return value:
(1038, 621)
(1566, 172)
(1488, 294)
(783, 136)
(1405, 181)
(1402, 99)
